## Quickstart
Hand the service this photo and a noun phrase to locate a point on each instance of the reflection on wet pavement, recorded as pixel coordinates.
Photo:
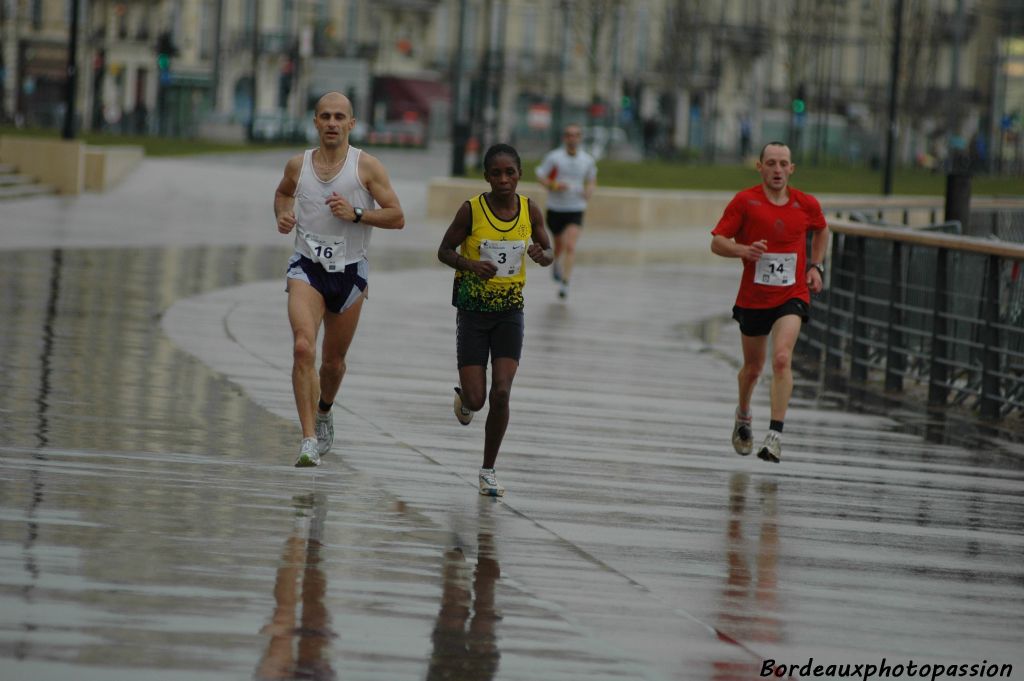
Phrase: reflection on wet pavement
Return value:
(464, 638)
(151, 525)
(298, 640)
(749, 608)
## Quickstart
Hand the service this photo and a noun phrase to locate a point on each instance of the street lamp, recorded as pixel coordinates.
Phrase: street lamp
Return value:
(71, 84)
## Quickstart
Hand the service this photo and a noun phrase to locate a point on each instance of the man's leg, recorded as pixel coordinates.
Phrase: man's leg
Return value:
(755, 349)
(785, 332)
(503, 372)
(339, 330)
(305, 312)
(569, 237)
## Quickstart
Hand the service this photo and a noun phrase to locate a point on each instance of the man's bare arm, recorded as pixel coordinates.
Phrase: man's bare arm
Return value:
(284, 197)
(375, 179)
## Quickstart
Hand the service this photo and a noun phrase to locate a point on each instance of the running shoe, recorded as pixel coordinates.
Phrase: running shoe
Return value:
(324, 432)
(563, 290)
(742, 434)
(771, 450)
(308, 455)
(461, 413)
(489, 485)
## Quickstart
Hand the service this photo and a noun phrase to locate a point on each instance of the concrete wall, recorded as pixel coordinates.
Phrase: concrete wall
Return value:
(609, 207)
(59, 163)
(642, 209)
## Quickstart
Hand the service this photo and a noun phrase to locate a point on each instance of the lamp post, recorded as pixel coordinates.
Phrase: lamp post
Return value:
(71, 84)
(894, 77)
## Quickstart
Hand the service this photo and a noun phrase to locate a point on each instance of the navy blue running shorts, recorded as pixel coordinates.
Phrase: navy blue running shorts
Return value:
(340, 290)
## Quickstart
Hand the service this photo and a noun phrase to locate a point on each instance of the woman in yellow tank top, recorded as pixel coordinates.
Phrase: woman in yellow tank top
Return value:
(493, 232)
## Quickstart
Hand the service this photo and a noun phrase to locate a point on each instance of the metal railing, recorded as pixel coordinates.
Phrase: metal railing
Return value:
(910, 308)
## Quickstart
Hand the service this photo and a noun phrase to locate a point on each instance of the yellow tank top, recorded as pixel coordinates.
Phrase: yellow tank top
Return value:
(503, 242)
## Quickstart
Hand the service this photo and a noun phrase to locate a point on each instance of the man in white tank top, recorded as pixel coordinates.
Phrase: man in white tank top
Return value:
(332, 197)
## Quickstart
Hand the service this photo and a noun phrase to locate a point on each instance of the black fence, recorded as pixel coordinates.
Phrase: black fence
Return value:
(923, 312)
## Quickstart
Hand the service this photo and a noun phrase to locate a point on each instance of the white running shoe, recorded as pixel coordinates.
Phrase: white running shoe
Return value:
(771, 450)
(489, 485)
(324, 432)
(742, 434)
(461, 413)
(308, 455)
(563, 290)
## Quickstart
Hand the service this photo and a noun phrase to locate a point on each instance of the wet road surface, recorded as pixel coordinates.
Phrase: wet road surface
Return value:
(152, 527)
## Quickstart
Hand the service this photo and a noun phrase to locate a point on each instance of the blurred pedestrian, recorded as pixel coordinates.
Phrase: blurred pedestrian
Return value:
(332, 196)
(766, 226)
(493, 232)
(570, 176)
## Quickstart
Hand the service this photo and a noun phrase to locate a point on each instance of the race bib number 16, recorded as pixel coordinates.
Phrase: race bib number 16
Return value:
(329, 251)
(776, 269)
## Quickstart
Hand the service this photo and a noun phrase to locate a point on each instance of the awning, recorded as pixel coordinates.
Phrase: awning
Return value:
(409, 95)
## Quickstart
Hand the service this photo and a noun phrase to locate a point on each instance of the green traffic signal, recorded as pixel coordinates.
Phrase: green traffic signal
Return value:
(163, 61)
(799, 106)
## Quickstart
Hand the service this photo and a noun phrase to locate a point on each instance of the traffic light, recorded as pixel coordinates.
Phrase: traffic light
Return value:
(165, 50)
(800, 100)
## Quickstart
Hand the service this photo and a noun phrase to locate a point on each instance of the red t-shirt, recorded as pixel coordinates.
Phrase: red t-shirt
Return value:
(781, 273)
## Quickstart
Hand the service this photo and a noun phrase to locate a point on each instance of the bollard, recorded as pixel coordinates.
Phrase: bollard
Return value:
(958, 198)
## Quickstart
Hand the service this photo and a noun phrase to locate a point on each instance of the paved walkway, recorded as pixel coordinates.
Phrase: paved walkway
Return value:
(633, 544)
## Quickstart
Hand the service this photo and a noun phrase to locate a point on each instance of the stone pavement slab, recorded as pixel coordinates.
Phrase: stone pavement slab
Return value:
(866, 543)
(152, 526)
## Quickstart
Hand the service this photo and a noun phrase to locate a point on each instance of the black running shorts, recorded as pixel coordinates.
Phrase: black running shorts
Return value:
(558, 220)
(482, 334)
(759, 322)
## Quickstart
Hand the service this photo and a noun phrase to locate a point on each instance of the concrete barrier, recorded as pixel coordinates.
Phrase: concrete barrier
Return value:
(59, 163)
(70, 166)
(106, 166)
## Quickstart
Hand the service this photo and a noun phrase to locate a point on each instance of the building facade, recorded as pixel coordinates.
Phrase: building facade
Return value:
(678, 78)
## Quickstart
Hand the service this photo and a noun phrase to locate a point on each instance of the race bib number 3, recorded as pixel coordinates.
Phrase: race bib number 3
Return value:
(329, 251)
(776, 269)
(507, 255)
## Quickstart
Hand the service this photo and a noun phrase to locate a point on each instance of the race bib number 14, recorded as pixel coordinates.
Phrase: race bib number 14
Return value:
(776, 269)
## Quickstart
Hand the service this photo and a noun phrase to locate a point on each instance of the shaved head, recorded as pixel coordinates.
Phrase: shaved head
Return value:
(334, 99)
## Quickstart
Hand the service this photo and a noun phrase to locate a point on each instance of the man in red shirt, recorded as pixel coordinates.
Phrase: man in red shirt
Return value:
(766, 226)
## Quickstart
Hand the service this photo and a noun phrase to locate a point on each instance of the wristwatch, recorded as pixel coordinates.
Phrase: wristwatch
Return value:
(818, 266)
(359, 214)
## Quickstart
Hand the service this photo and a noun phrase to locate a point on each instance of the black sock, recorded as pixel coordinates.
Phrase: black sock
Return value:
(324, 406)
(775, 425)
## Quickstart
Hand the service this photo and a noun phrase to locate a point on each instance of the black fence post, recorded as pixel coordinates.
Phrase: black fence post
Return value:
(895, 360)
(938, 387)
(833, 340)
(858, 329)
(958, 198)
(990, 393)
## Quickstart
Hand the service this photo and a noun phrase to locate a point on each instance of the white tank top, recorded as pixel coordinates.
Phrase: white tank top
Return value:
(314, 216)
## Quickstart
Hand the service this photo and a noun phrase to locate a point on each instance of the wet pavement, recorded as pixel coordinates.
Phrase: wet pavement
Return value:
(152, 527)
